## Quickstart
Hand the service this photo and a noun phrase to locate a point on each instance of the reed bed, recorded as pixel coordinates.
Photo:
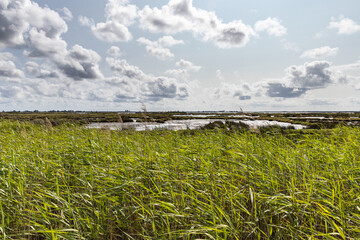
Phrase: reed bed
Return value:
(69, 182)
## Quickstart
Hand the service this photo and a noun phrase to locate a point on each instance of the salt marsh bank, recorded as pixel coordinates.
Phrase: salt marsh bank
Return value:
(188, 124)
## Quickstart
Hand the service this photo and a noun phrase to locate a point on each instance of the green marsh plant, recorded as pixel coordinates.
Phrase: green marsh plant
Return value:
(77, 183)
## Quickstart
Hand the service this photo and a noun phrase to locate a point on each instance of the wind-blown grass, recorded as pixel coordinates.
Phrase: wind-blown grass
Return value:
(75, 183)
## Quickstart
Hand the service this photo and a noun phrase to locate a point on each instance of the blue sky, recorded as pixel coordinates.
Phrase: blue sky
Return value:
(179, 55)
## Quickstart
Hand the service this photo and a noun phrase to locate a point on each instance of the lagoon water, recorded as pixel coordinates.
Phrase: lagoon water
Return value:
(186, 124)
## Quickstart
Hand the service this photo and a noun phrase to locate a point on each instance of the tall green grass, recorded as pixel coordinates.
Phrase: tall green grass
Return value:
(75, 183)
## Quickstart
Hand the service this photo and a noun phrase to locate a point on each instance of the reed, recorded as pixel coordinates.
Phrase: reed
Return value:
(77, 183)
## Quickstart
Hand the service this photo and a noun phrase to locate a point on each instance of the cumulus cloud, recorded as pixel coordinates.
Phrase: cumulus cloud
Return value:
(119, 15)
(272, 26)
(7, 66)
(114, 51)
(169, 41)
(111, 31)
(38, 71)
(188, 65)
(158, 48)
(281, 90)
(241, 91)
(180, 73)
(351, 73)
(67, 14)
(181, 15)
(149, 87)
(297, 81)
(85, 21)
(12, 92)
(16, 17)
(300, 79)
(310, 75)
(160, 88)
(123, 68)
(344, 25)
(184, 67)
(41, 28)
(44, 46)
(80, 63)
(321, 52)
(77, 63)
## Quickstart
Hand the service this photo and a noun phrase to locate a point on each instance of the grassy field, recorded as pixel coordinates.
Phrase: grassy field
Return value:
(69, 182)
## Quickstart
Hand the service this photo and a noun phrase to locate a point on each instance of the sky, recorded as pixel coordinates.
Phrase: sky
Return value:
(180, 55)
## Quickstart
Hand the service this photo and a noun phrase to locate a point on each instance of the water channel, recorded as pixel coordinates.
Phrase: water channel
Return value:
(186, 124)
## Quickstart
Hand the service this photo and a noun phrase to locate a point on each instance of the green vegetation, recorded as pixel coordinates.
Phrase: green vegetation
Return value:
(68, 182)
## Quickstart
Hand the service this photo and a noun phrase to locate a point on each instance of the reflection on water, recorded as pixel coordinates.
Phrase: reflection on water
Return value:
(185, 124)
(194, 116)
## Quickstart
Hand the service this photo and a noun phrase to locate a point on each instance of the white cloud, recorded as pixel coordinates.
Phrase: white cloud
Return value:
(315, 74)
(169, 41)
(8, 68)
(149, 87)
(119, 15)
(344, 25)
(42, 28)
(272, 26)
(184, 67)
(158, 48)
(355, 82)
(160, 52)
(181, 15)
(351, 72)
(43, 46)
(348, 67)
(67, 15)
(80, 63)
(188, 65)
(163, 20)
(17, 18)
(180, 73)
(298, 81)
(12, 92)
(120, 11)
(53, 64)
(77, 63)
(85, 21)
(242, 91)
(111, 31)
(122, 68)
(321, 52)
(38, 71)
(114, 51)
(7, 56)
(219, 75)
(301, 79)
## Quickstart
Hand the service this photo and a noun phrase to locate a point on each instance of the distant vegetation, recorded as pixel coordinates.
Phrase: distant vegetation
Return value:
(312, 120)
(69, 182)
